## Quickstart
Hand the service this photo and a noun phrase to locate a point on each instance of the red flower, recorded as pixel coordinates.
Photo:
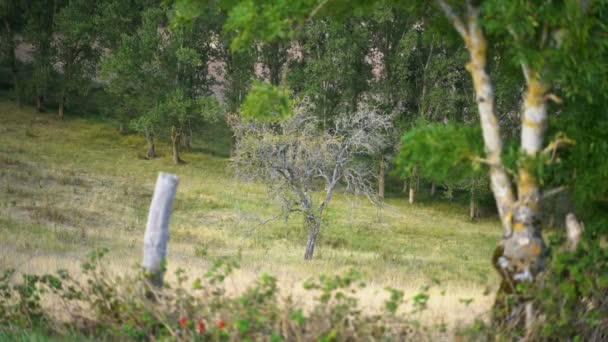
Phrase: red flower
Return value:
(220, 324)
(183, 321)
(200, 327)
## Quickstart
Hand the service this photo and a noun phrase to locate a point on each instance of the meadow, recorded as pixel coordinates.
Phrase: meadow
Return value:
(68, 187)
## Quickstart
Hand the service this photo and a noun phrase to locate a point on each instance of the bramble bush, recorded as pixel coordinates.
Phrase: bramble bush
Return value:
(570, 299)
(571, 302)
(98, 305)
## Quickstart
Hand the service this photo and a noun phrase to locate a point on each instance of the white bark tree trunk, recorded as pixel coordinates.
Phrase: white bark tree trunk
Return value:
(521, 252)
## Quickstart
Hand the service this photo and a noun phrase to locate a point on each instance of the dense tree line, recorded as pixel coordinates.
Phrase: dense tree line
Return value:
(166, 81)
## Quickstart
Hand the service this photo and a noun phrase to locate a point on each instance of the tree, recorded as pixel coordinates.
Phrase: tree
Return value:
(38, 30)
(538, 44)
(178, 111)
(136, 79)
(11, 14)
(333, 72)
(160, 80)
(296, 160)
(273, 58)
(114, 18)
(388, 26)
(75, 35)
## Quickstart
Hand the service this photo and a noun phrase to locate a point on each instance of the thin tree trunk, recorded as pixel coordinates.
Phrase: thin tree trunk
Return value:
(472, 206)
(413, 186)
(526, 214)
(412, 194)
(39, 103)
(313, 232)
(175, 143)
(61, 107)
(151, 150)
(381, 177)
(484, 95)
(433, 188)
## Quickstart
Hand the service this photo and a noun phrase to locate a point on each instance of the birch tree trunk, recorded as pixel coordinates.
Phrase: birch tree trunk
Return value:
(520, 254)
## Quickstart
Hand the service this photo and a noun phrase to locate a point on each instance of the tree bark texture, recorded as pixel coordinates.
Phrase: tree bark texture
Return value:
(151, 150)
(175, 136)
(520, 255)
(313, 232)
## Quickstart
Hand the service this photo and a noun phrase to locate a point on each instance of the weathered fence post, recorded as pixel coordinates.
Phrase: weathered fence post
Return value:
(157, 229)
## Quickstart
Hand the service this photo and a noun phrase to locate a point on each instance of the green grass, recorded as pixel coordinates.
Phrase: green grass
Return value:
(68, 187)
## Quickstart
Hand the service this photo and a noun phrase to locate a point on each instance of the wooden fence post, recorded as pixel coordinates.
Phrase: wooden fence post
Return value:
(157, 228)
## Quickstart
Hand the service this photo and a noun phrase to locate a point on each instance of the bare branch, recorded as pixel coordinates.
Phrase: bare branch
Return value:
(552, 192)
(292, 156)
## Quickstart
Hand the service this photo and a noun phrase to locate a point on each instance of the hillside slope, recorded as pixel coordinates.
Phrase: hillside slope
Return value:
(68, 187)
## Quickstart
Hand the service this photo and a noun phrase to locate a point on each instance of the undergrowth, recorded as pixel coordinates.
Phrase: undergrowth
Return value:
(98, 305)
(570, 304)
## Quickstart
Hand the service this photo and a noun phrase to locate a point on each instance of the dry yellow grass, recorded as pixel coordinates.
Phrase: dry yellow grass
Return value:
(69, 187)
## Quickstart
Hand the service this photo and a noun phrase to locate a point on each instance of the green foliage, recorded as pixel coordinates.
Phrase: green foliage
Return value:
(73, 48)
(135, 77)
(572, 295)
(266, 102)
(127, 308)
(38, 30)
(395, 300)
(447, 153)
(158, 78)
(334, 74)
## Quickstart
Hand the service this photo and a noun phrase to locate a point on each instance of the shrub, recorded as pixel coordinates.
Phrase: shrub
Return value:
(128, 308)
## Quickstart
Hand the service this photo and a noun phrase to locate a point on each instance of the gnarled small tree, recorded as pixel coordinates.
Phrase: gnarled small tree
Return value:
(303, 165)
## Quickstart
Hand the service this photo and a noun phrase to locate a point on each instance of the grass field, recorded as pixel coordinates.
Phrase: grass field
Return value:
(69, 187)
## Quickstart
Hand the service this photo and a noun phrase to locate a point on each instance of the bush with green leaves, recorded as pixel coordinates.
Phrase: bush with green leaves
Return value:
(96, 304)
